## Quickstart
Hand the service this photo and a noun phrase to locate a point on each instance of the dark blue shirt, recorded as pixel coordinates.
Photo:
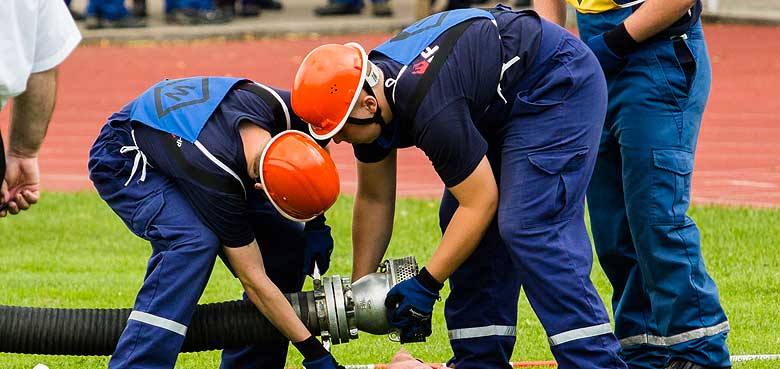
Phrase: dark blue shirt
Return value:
(221, 194)
(451, 125)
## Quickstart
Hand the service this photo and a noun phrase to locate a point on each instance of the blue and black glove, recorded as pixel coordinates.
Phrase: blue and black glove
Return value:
(319, 245)
(410, 305)
(612, 47)
(315, 356)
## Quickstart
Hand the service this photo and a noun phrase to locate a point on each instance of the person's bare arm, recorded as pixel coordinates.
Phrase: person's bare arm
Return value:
(654, 16)
(30, 118)
(477, 203)
(247, 262)
(373, 213)
(31, 114)
(552, 10)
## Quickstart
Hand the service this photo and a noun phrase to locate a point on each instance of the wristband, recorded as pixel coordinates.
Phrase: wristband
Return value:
(620, 41)
(311, 349)
(426, 280)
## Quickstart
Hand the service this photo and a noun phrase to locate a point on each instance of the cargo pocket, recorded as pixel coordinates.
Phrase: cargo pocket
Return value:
(550, 188)
(670, 193)
(145, 214)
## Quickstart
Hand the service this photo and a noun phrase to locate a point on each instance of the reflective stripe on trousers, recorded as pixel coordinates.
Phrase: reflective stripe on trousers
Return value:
(159, 322)
(677, 338)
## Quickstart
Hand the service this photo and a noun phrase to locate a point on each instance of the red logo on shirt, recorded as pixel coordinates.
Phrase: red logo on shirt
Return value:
(420, 67)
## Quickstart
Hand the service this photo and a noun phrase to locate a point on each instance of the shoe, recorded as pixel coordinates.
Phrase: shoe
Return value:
(182, 17)
(213, 16)
(139, 9)
(270, 5)
(128, 21)
(249, 10)
(683, 364)
(93, 22)
(336, 9)
(382, 9)
(76, 15)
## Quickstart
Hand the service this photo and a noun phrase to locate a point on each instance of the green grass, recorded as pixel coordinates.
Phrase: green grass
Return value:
(72, 251)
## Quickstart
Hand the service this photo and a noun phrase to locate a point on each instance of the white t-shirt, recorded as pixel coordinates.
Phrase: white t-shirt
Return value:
(35, 36)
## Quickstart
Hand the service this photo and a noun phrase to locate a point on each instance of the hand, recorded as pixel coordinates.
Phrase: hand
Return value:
(20, 188)
(607, 58)
(325, 362)
(319, 245)
(409, 307)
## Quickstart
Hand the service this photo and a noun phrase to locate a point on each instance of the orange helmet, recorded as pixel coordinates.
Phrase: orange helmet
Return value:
(327, 86)
(298, 176)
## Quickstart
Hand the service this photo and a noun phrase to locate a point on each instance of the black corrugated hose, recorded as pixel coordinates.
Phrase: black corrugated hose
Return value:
(55, 331)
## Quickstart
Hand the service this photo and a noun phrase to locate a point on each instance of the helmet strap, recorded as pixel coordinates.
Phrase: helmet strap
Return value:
(377, 118)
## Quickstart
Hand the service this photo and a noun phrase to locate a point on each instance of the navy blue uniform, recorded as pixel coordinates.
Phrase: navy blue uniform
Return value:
(189, 194)
(531, 97)
(666, 304)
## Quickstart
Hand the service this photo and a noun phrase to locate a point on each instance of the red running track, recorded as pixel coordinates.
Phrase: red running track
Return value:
(738, 160)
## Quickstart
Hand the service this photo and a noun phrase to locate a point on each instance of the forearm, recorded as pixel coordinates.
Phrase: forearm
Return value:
(274, 306)
(552, 10)
(462, 236)
(654, 16)
(32, 111)
(372, 227)
(477, 199)
(248, 265)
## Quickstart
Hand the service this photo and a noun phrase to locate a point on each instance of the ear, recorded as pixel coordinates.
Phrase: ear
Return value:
(370, 103)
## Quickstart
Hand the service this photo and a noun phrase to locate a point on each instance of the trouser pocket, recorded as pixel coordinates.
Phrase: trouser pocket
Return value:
(552, 183)
(671, 185)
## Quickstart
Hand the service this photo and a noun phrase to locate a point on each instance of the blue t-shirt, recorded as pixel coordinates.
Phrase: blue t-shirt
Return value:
(222, 195)
(451, 126)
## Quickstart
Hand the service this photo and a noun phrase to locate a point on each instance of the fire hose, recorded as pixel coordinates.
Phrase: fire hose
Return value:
(335, 309)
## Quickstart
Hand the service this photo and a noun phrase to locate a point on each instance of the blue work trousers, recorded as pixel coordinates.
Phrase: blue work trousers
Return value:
(107, 9)
(184, 251)
(542, 157)
(665, 303)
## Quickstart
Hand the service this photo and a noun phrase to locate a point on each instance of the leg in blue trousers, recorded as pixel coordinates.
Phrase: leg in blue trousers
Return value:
(666, 304)
(481, 310)
(281, 243)
(107, 9)
(183, 254)
(543, 159)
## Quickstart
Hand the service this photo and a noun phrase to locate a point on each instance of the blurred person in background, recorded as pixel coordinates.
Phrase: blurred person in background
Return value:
(111, 14)
(667, 309)
(248, 8)
(35, 37)
(380, 8)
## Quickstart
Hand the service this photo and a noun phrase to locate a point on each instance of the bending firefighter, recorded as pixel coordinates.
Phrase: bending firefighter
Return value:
(206, 167)
(667, 309)
(508, 108)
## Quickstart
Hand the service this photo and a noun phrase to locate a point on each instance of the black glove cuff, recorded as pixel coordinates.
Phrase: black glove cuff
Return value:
(620, 42)
(311, 349)
(426, 280)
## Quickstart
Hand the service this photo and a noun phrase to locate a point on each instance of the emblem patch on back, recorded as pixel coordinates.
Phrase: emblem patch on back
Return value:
(180, 93)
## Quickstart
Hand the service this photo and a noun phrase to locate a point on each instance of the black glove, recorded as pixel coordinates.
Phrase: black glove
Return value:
(319, 245)
(325, 362)
(410, 305)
